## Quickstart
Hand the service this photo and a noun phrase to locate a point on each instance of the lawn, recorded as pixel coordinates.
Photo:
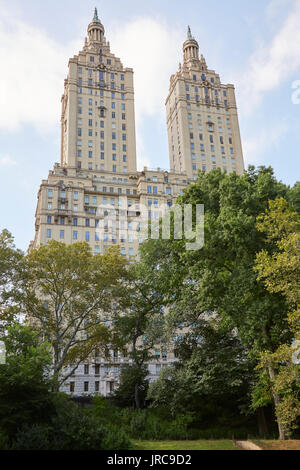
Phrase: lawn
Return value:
(185, 445)
(278, 445)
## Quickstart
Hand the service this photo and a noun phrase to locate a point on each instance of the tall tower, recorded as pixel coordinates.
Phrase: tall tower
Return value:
(202, 118)
(98, 123)
(97, 176)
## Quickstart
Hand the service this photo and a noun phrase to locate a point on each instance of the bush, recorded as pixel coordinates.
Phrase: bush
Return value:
(4, 440)
(36, 437)
(116, 439)
(72, 428)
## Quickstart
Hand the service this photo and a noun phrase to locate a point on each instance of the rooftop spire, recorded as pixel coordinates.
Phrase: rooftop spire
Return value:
(96, 19)
(189, 33)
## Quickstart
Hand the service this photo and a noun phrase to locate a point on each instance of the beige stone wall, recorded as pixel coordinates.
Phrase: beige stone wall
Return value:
(202, 119)
(98, 120)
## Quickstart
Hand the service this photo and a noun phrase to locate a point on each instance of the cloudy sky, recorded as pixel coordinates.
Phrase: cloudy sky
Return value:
(254, 45)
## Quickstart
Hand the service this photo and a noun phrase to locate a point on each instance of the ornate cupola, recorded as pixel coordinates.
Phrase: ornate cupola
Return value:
(95, 30)
(190, 48)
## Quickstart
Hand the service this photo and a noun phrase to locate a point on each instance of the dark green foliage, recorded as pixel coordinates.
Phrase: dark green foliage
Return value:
(132, 381)
(221, 278)
(159, 424)
(72, 428)
(25, 396)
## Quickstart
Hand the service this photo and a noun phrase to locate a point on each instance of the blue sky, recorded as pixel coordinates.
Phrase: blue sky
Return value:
(254, 45)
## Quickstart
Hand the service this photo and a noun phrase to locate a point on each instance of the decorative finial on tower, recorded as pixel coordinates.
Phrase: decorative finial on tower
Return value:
(189, 34)
(96, 19)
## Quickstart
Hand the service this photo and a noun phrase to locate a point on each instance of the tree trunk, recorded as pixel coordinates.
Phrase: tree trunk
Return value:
(137, 397)
(262, 423)
(276, 399)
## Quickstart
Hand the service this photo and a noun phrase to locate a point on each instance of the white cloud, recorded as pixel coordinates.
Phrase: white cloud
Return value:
(7, 160)
(152, 48)
(272, 64)
(257, 145)
(36, 65)
(31, 82)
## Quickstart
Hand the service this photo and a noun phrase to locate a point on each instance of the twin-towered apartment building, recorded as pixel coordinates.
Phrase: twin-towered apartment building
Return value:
(96, 194)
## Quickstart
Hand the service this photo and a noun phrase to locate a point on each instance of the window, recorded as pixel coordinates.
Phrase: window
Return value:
(75, 235)
(50, 193)
(86, 386)
(87, 236)
(75, 221)
(86, 369)
(48, 233)
(62, 234)
(49, 219)
(72, 387)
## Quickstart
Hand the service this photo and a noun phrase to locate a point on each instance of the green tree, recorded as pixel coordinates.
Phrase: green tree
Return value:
(214, 374)
(220, 277)
(25, 381)
(140, 322)
(280, 271)
(66, 291)
(133, 387)
(10, 260)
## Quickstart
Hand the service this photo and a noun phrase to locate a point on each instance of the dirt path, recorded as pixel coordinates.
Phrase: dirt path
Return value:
(247, 445)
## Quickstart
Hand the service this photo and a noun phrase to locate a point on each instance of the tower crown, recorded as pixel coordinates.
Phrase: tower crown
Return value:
(190, 48)
(95, 29)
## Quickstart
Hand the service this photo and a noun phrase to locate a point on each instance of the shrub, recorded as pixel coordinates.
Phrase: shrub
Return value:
(72, 428)
(36, 437)
(116, 439)
(4, 440)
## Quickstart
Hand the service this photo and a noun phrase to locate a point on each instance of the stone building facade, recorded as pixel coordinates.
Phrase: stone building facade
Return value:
(202, 118)
(96, 194)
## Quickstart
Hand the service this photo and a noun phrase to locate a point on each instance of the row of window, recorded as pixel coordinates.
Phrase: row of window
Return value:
(90, 71)
(90, 82)
(212, 148)
(90, 167)
(90, 124)
(211, 138)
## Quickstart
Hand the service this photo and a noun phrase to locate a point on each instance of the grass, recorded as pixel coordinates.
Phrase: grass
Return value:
(185, 445)
(278, 445)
